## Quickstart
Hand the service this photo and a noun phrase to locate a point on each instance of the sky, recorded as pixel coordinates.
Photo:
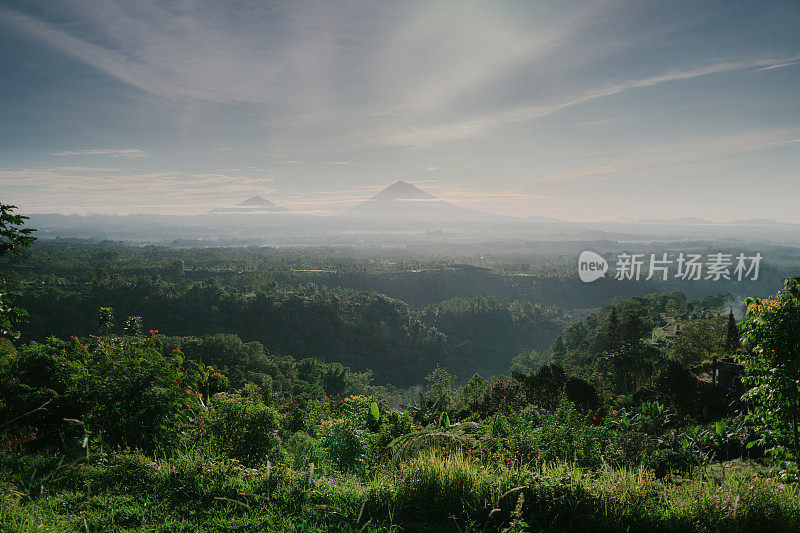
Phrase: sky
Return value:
(590, 110)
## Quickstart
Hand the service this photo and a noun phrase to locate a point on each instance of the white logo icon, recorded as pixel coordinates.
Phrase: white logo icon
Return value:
(591, 266)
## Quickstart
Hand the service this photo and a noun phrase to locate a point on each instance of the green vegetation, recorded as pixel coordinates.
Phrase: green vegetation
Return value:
(13, 239)
(200, 405)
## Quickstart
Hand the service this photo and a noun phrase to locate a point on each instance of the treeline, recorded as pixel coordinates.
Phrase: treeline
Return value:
(550, 280)
(357, 329)
(622, 350)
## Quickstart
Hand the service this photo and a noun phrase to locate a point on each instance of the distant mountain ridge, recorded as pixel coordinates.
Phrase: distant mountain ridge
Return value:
(682, 220)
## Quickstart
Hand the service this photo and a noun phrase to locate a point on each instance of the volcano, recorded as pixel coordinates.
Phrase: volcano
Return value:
(404, 201)
(256, 204)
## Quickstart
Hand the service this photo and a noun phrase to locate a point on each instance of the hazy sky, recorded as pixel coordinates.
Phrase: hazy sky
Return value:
(579, 110)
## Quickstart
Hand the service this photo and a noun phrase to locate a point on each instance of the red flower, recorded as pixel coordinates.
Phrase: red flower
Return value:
(614, 412)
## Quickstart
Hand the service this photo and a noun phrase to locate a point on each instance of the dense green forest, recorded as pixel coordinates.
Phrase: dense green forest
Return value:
(466, 314)
(546, 279)
(156, 388)
(363, 330)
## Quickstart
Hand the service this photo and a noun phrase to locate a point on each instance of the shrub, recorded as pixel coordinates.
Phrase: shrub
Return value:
(123, 391)
(345, 444)
(502, 394)
(304, 449)
(242, 428)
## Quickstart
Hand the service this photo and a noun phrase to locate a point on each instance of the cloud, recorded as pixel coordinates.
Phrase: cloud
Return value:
(780, 65)
(124, 152)
(643, 161)
(313, 80)
(462, 195)
(341, 74)
(122, 191)
(426, 137)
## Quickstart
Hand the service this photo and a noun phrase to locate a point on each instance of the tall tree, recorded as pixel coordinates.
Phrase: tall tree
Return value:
(732, 341)
(13, 238)
(613, 331)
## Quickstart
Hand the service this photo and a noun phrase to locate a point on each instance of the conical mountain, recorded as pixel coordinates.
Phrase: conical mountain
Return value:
(404, 201)
(256, 201)
(401, 190)
(256, 204)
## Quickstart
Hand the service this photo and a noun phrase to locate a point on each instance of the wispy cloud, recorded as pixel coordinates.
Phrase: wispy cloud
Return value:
(120, 191)
(472, 196)
(425, 137)
(123, 152)
(338, 72)
(634, 162)
(442, 88)
(780, 65)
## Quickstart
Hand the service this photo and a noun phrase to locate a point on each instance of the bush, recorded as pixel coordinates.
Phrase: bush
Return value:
(123, 391)
(564, 435)
(345, 445)
(303, 449)
(242, 428)
(502, 394)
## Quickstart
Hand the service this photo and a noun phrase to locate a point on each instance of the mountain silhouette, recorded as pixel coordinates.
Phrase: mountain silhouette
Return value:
(404, 201)
(256, 204)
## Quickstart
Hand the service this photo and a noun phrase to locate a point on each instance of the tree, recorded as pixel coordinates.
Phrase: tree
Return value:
(503, 394)
(633, 329)
(440, 388)
(698, 340)
(582, 393)
(13, 237)
(628, 368)
(675, 382)
(732, 342)
(544, 387)
(527, 362)
(771, 334)
(105, 319)
(133, 326)
(558, 350)
(613, 337)
(470, 394)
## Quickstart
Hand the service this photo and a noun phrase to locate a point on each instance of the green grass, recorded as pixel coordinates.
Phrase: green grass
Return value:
(432, 491)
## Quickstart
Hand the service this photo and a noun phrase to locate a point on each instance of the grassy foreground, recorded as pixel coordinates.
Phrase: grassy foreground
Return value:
(432, 491)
